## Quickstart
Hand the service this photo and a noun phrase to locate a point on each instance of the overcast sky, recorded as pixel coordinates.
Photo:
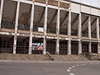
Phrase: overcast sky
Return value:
(95, 3)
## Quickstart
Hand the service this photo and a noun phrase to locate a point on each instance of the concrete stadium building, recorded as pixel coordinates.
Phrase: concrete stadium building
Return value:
(63, 27)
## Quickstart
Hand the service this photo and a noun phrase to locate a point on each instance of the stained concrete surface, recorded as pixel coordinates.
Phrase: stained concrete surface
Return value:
(49, 68)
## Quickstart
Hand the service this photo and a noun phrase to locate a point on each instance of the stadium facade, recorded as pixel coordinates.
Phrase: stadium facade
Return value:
(62, 27)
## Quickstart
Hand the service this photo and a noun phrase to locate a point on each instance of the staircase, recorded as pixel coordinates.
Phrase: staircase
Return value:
(49, 56)
(6, 56)
(91, 56)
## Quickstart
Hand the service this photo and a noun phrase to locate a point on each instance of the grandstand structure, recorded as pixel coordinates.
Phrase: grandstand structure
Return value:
(63, 27)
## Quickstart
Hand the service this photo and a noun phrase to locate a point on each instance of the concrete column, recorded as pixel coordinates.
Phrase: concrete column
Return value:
(80, 47)
(89, 32)
(57, 31)
(90, 46)
(89, 27)
(2, 3)
(69, 33)
(79, 27)
(45, 30)
(31, 29)
(80, 36)
(97, 28)
(98, 47)
(16, 28)
(98, 34)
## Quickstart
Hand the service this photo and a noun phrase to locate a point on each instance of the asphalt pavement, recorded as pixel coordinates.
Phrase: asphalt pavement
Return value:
(49, 68)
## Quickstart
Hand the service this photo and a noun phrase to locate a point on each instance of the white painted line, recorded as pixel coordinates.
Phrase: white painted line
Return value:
(77, 65)
(6, 66)
(91, 63)
(82, 64)
(71, 74)
(73, 66)
(97, 63)
(68, 70)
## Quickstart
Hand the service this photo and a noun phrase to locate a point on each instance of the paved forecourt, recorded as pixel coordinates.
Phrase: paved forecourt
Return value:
(9, 67)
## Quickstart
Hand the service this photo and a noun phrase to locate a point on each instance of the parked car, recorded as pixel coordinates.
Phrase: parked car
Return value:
(38, 48)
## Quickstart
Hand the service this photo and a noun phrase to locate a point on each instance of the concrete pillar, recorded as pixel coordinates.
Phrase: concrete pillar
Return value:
(79, 27)
(98, 34)
(16, 28)
(90, 46)
(69, 33)
(57, 31)
(44, 45)
(2, 3)
(97, 28)
(89, 27)
(89, 32)
(98, 47)
(80, 36)
(31, 29)
(45, 30)
(80, 47)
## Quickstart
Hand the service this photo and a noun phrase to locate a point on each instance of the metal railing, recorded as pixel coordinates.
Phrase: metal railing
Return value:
(49, 56)
(91, 56)
(8, 25)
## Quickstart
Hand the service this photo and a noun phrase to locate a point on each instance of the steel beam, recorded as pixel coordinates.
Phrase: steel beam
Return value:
(29, 14)
(62, 21)
(41, 17)
(92, 26)
(73, 22)
(84, 21)
(52, 19)
(75, 19)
